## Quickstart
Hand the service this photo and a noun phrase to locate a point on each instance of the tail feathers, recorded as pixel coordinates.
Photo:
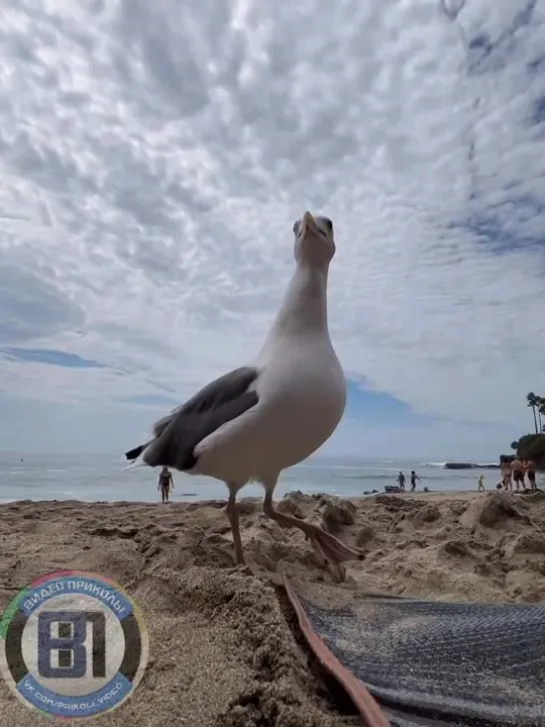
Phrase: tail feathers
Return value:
(133, 454)
(136, 457)
(134, 465)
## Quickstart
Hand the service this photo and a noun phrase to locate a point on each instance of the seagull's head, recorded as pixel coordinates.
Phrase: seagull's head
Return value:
(314, 240)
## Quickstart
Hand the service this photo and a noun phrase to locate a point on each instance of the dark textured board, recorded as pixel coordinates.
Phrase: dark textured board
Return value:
(434, 663)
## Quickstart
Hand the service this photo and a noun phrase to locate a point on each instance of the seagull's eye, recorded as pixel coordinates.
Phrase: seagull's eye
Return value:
(328, 224)
(296, 227)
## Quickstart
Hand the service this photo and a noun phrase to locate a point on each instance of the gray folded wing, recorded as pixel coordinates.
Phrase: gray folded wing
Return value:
(177, 435)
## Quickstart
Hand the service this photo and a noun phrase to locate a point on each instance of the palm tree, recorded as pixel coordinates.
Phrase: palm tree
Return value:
(532, 401)
(541, 412)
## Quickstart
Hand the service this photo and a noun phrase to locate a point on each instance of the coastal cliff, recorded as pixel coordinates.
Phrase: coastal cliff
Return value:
(530, 446)
(470, 466)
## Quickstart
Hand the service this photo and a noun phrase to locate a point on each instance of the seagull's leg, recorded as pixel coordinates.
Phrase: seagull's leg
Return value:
(331, 548)
(232, 514)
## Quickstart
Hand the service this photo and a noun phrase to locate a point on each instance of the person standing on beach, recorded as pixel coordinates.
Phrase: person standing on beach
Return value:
(480, 483)
(401, 481)
(166, 483)
(517, 468)
(506, 476)
(414, 477)
(530, 468)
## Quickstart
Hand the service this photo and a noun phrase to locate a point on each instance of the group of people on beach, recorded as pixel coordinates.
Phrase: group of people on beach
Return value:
(516, 472)
(401, 481)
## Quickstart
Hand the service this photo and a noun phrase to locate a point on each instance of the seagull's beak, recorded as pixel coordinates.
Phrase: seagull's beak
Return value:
(308, 223)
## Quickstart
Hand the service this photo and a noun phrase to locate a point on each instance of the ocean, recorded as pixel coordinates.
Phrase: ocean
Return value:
(103, 478)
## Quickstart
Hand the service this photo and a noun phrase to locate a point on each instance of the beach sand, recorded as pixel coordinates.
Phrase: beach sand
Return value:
(224, 649)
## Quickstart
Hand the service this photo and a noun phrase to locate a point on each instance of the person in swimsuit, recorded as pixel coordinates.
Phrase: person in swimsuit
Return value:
(530, 468)
(506, 476)
(401, 481)
(166, 483)
(517, 468)
(480, 483)
(414, 477)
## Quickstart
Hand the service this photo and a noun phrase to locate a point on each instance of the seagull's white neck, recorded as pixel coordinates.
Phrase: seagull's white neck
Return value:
(305, 304)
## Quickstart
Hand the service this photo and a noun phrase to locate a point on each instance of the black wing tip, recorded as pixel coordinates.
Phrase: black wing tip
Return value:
(133, 454)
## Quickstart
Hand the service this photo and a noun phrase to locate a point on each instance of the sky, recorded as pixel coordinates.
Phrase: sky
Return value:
(154, 157)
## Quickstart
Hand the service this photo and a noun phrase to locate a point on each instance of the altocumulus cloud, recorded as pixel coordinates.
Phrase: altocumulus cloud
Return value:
(153, 159)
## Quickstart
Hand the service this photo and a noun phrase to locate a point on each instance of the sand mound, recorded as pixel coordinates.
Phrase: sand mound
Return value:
(426, 514)
(224, 649)
(493, 510)
(337, 513)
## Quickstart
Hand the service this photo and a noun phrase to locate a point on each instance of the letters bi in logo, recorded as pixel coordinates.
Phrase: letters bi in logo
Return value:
(73, 644)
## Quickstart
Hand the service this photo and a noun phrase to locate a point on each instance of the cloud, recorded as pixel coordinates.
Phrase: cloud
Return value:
(32, 305)
(53, 358)
(154, 157)
(163, 401)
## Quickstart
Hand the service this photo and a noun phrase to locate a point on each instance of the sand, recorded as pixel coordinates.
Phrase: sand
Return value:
(224, 648)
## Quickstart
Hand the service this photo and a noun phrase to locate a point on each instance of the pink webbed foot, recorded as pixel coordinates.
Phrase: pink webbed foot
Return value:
(331, 550)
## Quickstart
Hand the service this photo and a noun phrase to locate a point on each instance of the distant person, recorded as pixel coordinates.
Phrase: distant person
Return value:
(480, 483)
(530, 467)
(401, 481)
(506, 476)
(166, 484)
(517, 468)
(414, 477)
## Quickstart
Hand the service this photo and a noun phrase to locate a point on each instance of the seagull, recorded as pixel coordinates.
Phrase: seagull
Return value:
(259, 419)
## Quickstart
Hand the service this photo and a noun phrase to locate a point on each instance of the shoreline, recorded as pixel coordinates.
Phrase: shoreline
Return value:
(218, 501)
(458, 493)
